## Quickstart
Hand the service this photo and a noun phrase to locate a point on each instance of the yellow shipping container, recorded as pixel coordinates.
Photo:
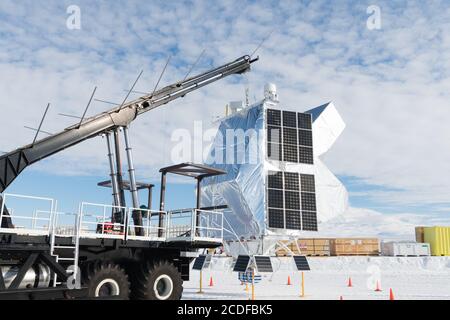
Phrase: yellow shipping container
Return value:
(439, 240)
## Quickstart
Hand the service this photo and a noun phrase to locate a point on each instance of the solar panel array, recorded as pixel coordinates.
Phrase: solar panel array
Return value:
(301, 263)
(289, 136)
(263, 264)
(241, 264)
(291, 201)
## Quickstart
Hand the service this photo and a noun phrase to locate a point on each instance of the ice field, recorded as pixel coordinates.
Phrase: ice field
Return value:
(412, 278)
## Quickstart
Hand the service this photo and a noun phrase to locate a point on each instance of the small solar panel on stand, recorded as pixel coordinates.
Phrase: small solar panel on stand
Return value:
(302, 265)
(201, 262)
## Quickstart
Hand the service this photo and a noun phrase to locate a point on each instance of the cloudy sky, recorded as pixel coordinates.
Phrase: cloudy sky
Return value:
(391, 85)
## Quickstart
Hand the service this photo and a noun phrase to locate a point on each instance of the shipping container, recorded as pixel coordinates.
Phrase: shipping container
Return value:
(439, 240)
(405, 249)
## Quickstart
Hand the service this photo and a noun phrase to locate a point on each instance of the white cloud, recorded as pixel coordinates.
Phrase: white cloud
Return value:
(390, 85)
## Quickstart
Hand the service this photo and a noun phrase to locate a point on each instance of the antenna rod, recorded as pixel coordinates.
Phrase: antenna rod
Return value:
(160, 76)
(68, 115)
(87, 107)
(40, 125)
(195, 63)
(34, 129)
(107, 102)
(129, 92)
(262, 42)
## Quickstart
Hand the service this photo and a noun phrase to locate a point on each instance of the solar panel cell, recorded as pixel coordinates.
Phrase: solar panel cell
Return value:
(306, 155)
(293, 220)
(275, 198)
(276, 218)
(275, 179)
(304, 121)
(305, 138)
(274, 117)
(308, 182)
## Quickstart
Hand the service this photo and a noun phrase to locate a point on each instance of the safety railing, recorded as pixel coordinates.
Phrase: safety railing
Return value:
(95, 221)
(148, 228)
(65, 224)
(195, 225)
(27, 214)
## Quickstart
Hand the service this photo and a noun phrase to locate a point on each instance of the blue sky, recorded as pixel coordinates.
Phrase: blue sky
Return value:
(391, 86)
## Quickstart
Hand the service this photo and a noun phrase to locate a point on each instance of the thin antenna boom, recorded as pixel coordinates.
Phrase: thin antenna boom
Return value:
(132, 88)
(262, 42)
(160, 76)
(68, 115)
(40, 125)
(107, 102)
(34, 129)
(195, 63)
(87, 107)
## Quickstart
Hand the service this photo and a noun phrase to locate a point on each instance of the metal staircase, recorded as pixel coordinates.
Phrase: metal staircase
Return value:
(61, 250)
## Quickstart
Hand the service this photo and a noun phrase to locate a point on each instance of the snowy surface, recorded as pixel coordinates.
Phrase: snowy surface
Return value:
(410, 278)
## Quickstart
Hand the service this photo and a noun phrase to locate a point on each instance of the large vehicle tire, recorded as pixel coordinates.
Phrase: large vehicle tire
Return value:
(157, 280)
(106, 279)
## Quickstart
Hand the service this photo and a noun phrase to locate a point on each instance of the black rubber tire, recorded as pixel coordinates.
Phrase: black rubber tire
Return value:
(94, 273)
(143, 282)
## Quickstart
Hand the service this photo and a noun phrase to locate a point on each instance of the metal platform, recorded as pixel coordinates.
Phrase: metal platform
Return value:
(93, 221)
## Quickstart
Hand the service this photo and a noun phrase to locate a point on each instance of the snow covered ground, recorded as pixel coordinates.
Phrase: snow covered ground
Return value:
(410, 278)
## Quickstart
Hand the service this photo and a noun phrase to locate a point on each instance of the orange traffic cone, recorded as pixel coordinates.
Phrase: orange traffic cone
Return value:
(391, 294)
(350, 284)
(378, 288)
(211, 283)
(289, 281)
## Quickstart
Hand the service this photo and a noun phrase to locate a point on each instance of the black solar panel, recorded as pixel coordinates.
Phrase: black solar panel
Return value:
(263, 264)
(291, 181)
(241, 264)
(290, 136)
(304, 121)
(290, 153)
(199, 262)
(276, 218)
(305, 138)
(309, 221)
(305, 155)
(290, 119)
(294, 132)
(301, 263)
(308, 201)
(275, 198)
(308, 183)
(274, 117)
(292, 200)
(293, 220)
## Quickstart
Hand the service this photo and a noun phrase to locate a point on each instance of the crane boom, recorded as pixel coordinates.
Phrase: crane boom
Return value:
(13, 163)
